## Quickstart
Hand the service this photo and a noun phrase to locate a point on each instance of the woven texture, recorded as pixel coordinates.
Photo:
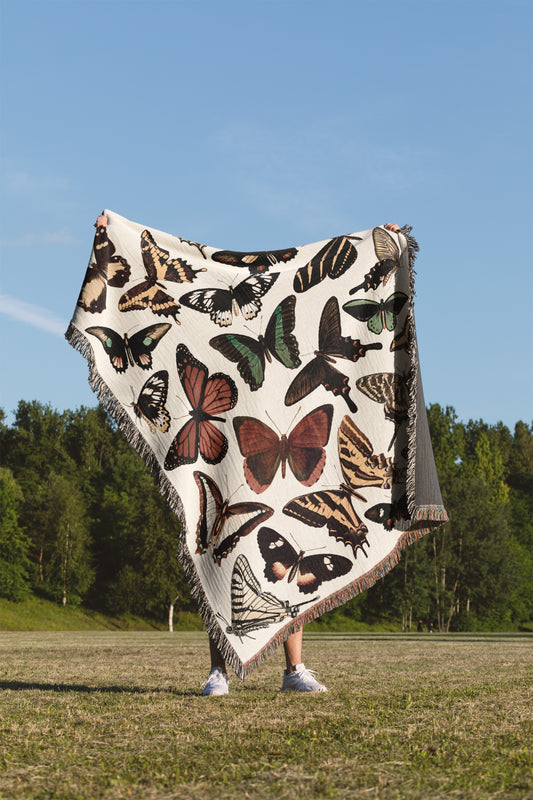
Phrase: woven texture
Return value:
(277, 398)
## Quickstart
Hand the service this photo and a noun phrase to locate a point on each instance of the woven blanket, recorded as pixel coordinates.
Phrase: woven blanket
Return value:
(276, 396)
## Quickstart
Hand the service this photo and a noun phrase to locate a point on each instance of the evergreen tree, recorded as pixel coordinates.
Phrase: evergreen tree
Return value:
(14, 544)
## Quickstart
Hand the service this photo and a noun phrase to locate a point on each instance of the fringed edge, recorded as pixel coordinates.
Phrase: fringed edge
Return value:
(115, 409)
(412, 250)
(334, 600)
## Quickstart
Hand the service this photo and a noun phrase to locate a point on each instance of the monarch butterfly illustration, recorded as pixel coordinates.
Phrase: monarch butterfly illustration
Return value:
(252, 609)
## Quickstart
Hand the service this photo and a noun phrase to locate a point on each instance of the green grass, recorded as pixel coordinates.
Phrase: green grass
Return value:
(118, 715)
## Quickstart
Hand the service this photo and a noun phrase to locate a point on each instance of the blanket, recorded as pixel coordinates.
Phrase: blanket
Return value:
(276, 396)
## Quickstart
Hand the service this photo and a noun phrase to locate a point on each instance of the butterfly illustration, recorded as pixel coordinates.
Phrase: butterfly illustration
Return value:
(220, 525)
(331, 345)
(159, 267)
(334, 508)
(388, 255)
(136, 349)
(310, 571)
(402, 339)
(303, 448)
(387, 514)
(150, 404)
(106, 270)
(258, 261)
(208, 396)
(250, 354)
(391, 390)
(252, 609)
(222, 304)
(332, 260)
(377, 315)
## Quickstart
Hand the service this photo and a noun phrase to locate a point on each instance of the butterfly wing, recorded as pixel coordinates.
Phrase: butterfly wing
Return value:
(248, 293)
(107, 269)
(143, 342)
(215, 302)
(242, 519)
(184, 447)
(279, 337)
(147, 294)
(159, 265)
(260, 446)
(359, 465)
(333, 259)
(150, 405)
(334, 509)
(367, 311)
(257, 261)
(306, 442)
(279, 555)
(192, 374)
(387, 388)
(316, 373)
(113, 345)
(392, 307)
(211, 504)
(318, 568)
(252, 609)
(248, 354)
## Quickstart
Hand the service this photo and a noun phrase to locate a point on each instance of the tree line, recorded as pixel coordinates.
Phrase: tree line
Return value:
(82, 521)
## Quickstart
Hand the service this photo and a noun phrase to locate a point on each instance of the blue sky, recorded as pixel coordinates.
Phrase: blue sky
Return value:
(251, 124)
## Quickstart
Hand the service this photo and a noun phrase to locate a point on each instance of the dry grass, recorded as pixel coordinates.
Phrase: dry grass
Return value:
(117, 715)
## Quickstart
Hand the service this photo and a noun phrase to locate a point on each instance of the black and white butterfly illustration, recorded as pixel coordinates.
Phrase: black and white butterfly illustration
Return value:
(252, 609)
(151, 292)
(150, 405)
(250, 354)
(388, 259)
(221, 525)
(257, 261)
(124, 350)
(223, 304)
(332, 261)
(320, 370)
(310, 571)
(387, 514)
(107, 269)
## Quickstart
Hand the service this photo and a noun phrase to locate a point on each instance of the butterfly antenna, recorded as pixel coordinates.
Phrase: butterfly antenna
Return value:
(235, 491)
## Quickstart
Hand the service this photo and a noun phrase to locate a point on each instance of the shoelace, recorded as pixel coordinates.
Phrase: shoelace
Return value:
(217, 674)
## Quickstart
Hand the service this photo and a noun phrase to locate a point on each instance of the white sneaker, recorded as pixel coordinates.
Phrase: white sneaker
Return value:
(301, 680)
(216, 684)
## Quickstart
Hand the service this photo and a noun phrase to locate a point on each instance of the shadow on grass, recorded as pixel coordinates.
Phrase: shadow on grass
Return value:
(80, 687)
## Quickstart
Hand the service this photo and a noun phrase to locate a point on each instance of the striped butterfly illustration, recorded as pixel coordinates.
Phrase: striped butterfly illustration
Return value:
(223, 304)
(106, 270)
(388, 254)
(221, 525)
(250, 354)
(252, 609)
(390, 389)
(303, 448)
(124, 350)
(258, 261)
(208, 396)
(378, 315)
(320, 370)
(333, 507)
(332, 260)
(159, 267)
(310, 571)
(150, 405)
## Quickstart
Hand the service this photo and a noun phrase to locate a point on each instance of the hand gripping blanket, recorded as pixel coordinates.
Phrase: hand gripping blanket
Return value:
(276, 396)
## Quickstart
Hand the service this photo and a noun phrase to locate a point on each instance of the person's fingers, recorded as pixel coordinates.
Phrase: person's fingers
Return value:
(102, 220)
(391, 226)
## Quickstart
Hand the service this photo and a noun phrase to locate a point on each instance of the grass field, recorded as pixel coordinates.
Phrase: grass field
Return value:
(118, 715)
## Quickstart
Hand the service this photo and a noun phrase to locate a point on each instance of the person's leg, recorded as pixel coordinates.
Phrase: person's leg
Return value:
(217, 659)
(217, 681)
(293, 649)
(296, 677)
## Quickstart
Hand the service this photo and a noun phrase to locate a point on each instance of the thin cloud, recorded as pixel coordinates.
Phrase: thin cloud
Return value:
(31, 314)
(62, 237)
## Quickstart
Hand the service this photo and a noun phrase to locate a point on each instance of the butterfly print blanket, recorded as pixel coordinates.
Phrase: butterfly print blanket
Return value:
(276, 396)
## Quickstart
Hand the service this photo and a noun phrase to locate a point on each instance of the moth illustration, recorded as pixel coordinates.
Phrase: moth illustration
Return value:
(150, 404)
(222, 304)
(252, 609)
(391, 390)
(208, 397)
(387, 514)
(159, 267)
(377, 315)
(249, 354)
(388, 254)
(221, 525)
(333, 507)
(310, 571)
(258, 261)
(332, 261)
(106, 270)
(136, 349)
(303, 448)
(331, 345)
